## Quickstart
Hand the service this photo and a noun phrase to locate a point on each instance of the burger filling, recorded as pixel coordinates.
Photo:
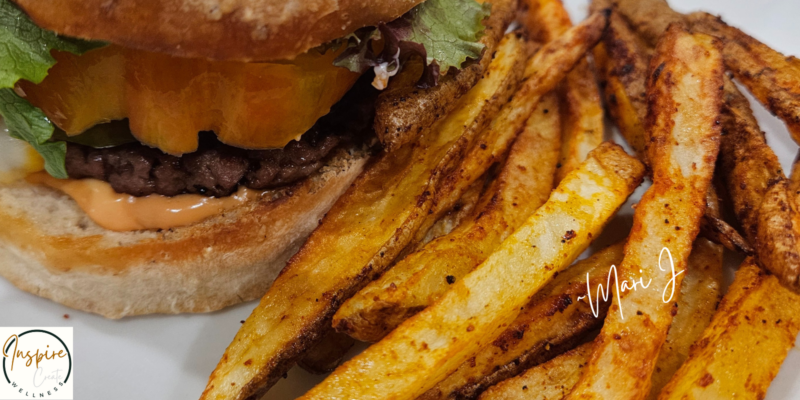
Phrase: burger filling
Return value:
(153, 124)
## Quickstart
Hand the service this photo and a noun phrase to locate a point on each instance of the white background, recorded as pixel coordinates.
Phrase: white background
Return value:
(170, 357)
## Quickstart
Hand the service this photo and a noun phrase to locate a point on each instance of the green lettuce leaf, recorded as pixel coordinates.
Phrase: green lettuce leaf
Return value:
(448, 29)
(25, 54)
(26, 122)
(444, 33)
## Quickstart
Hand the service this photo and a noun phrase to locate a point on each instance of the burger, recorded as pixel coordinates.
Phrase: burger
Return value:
(170, 156)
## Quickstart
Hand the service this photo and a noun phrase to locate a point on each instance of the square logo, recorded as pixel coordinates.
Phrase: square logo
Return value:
(36, 363)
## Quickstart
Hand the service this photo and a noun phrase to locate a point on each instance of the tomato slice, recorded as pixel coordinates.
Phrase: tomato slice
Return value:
(168, 100)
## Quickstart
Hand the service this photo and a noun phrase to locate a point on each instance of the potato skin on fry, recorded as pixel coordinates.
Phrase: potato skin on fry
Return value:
(622, 67)
(550, 381)
(684, 98)
(761, 195)
(771, 77)
(741, 351)
(359, 237)
(433, 343)
(650, 18)
(403, 111)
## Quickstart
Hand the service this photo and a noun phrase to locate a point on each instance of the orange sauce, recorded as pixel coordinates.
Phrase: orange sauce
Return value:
(123, 212)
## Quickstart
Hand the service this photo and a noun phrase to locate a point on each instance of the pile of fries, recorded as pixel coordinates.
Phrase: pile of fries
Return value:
(455, 252)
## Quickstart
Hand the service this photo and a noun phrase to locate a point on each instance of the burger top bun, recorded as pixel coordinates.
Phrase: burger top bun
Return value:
(240, 30)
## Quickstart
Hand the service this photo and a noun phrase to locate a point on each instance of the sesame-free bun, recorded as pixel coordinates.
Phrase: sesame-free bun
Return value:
(50, 247)
(241, 30)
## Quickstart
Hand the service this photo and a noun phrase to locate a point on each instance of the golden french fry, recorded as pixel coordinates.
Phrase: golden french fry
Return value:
(421, 278)
(778, 234)
(741, 351)
(650, 18)
(558, 317)
(759, 190)
(685, 94)
(359, 237)
(434, 343)
(622, 66)
(456, 215)
(543, 72)
(701, 291)
(550, 381)
(403, 111)
(773, 78)
(582, 109)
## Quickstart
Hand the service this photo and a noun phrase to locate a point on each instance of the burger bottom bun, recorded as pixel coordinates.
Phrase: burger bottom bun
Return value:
(50, 247)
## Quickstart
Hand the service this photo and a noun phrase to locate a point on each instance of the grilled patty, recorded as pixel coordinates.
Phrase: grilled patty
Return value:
(216, 169)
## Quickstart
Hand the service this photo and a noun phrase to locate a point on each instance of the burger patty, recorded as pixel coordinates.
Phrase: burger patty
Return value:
(216, 169)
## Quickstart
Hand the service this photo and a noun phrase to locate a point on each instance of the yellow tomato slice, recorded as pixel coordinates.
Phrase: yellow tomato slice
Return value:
(168, 100)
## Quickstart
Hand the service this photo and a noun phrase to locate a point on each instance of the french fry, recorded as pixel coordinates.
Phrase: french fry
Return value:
(773, 78)
(778, 234)
(581, 105)
(759, 190)
(457, 214)
(685, 93)
(622, 63)
(544, 70)
(741, 351)
(550, 381)
(650, 18)
(558, 317)
(622, 66)
(421, 278)
(701, 291)
(327, 354)
(359, 237)
(403, 111)
(435, 342)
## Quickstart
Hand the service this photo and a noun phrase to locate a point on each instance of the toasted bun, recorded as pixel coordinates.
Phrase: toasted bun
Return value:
(49, 247)
(243, 30)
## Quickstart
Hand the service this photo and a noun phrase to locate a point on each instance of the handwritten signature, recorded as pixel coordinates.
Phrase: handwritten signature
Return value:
(604, 292)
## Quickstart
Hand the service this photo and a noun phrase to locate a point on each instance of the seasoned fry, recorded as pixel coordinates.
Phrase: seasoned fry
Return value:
(778, 234)
(581, 106)
(772, 77)
(549, 381)
(684, 98)
(741, 351)
(543, 71)
(363, 232)
(326, 355)
(403, 111)
(650, 18)
(701, 291)
(457, 214)
(718, 231)
(558, 317)
(432, 344)
(622, 66)
(759, 190)
(422, 277)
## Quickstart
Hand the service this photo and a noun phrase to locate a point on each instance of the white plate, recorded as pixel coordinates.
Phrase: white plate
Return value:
(170, 357)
